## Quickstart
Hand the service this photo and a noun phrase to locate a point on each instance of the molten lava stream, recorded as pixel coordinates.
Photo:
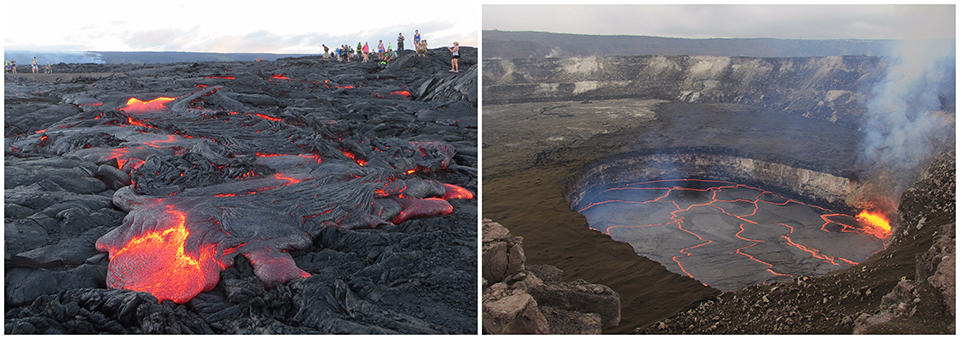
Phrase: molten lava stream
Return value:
(697, 220)
(135, 105)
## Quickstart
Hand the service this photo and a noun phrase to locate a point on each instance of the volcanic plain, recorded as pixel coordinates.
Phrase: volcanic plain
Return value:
(300, 195)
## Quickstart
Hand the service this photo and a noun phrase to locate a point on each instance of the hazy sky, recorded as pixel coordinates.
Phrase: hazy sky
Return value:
(730, 21)
(273, 26)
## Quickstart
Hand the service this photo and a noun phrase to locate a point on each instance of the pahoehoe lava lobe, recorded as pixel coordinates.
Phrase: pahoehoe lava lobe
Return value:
(293, 196)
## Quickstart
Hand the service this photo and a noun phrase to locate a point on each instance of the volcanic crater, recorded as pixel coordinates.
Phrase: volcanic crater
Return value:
(301, 195)
(720, 172)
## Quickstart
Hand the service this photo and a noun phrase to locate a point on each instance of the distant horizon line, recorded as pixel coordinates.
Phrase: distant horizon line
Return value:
(716, 38)
(95, 51)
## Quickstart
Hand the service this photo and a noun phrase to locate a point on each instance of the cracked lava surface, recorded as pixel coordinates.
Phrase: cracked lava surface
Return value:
(200, 192)
(728, 235)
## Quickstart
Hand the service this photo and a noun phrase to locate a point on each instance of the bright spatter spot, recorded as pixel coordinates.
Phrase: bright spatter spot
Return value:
(135, 105)
(692, 218)
(876, 223)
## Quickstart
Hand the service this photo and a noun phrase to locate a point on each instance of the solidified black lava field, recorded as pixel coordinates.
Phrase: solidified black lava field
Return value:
(296, 196)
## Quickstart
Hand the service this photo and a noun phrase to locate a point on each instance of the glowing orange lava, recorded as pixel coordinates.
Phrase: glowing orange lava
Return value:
(170, 138)
(120, 155)
(161, 264)
(267, 117)
(135, 105)
(350, 155)
(876, 224)
(289, 180)
(136, 122)
(870, 223)
(456, 192)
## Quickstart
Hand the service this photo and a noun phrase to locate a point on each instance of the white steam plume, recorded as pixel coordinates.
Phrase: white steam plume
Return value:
(905, 120)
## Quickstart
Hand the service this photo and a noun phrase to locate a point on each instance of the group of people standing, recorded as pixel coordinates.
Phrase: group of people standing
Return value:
(384, 55)
(11, 66)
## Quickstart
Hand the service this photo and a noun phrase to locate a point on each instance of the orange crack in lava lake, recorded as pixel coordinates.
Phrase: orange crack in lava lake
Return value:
(659, 218)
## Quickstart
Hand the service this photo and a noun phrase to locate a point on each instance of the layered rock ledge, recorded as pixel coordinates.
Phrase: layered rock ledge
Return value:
(520, 299)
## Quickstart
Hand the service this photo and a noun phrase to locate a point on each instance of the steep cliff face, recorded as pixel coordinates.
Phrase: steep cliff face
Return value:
(827, 88)
(795, 181)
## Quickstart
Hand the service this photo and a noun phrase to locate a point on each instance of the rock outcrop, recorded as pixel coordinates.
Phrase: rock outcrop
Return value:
(826, 88)
(520, 299)
(936, 272)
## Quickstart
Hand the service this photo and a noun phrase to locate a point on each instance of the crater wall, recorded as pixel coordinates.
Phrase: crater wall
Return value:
(828, 88)
(791, 178)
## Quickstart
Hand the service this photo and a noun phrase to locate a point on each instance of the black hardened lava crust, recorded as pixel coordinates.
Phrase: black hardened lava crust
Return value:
(231, 124)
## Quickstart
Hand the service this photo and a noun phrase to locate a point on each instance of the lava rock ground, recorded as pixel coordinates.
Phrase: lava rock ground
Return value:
(418, 276)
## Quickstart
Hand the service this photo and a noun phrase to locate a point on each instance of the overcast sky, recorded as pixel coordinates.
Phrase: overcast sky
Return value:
(273, 26)
(730, 21)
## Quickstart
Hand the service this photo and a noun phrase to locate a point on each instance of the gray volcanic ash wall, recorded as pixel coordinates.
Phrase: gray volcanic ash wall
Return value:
(826, 88)
(297, 196)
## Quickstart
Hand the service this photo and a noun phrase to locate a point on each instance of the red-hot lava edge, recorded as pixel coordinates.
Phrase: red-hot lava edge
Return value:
(873, 223)
(174, 259)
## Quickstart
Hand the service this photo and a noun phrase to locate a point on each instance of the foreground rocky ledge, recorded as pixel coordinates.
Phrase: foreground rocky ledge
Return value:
(520, 299)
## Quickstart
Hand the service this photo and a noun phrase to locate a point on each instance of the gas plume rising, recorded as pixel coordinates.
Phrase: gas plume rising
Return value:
(907, 118)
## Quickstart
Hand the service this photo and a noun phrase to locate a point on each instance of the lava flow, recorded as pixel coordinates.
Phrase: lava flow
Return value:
(161, 264)
(189, 187)
(135, 105)
(703, 222)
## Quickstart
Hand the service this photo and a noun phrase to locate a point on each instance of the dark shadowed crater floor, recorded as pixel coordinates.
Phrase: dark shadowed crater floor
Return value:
(295, 196)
